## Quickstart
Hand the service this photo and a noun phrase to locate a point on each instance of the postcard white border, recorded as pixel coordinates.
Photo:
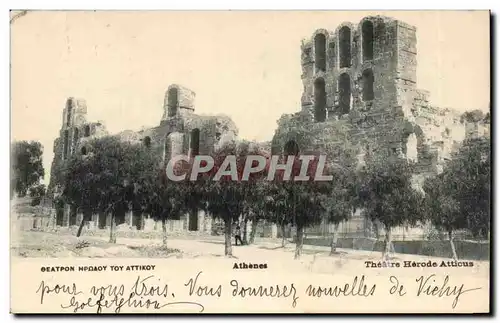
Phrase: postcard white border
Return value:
(184, 4)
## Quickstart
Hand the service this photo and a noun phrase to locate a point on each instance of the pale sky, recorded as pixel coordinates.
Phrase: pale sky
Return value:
(243, 64)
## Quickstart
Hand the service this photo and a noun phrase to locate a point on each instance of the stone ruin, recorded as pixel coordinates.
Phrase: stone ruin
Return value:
(363, 75)
(180, 131)
(366, 75)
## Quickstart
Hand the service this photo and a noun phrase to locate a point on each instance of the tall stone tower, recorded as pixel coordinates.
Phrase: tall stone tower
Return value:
(365, 73)
(179, 101)
(73, 125)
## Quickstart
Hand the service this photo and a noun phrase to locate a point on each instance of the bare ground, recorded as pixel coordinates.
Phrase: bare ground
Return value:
(314, 259)
(52, 245)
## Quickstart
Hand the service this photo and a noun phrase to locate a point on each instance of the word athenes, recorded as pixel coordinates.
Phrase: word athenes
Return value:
(253, 164)
(243, 265)
(417, 264)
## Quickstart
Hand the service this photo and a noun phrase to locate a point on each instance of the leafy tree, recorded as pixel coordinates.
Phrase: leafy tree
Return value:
(470, 178)
(459, 198)
(299, 203)
(386, 194)
(341, 201)
(259, 205)
(27, 166)
(37, 192)
(225, 198)
(487, 118)
(442, 209)
(268, 201)
(339, 204)
(472, 116)
(308, 203)
(106, 179)
(170, 199)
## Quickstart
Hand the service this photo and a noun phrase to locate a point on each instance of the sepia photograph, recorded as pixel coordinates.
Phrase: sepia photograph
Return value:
(250, 162)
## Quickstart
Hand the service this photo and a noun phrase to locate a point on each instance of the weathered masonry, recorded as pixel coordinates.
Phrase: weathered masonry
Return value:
(364, 76)
(180, 131)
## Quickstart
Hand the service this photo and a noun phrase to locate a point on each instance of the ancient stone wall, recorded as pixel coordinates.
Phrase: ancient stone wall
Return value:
(366, 73)
(180, 131)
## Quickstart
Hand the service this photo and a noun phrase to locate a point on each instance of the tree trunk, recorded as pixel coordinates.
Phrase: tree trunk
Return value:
(300, 241)
(245, 223)
(112, 229)
(228, 228)
(87, 216)
(388, 241)
(253, 231)
(376, 230)
(283, 237)
(81, 227)
(452, 244)
(333, 243)
(164, 230)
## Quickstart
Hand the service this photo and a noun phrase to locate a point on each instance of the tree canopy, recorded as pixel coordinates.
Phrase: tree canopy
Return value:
(26, 166)
(112, 177)
(459, 197)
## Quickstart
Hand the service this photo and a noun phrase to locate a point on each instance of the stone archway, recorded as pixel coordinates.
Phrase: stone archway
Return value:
(345, 47)
(319, 100)
(320, 52)
(173, 101)
(412, 141)
(368, 40)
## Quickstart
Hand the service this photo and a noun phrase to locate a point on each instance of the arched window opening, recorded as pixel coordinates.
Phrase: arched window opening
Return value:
(87, 131)
(84, 150)
(344, 93)
(368, 79)
(66, 144)
(173, 102)
(367, 34)
(194, 143)
(168, 147)
(320, 52)
(69, 111)
(75, 138)
(76, 135)
(409, 147)
(147, 141)
(345, 46)
(319, 100)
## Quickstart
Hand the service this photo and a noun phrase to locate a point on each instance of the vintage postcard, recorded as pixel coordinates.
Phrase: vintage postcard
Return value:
(250, 162)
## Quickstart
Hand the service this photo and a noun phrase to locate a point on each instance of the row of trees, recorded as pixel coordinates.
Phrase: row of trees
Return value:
(118, 176)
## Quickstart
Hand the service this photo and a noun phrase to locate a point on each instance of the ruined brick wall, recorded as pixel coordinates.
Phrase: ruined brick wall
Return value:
(366, 73)
(179, 101)
(75, 131)
(368, 78)
(180, 131)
